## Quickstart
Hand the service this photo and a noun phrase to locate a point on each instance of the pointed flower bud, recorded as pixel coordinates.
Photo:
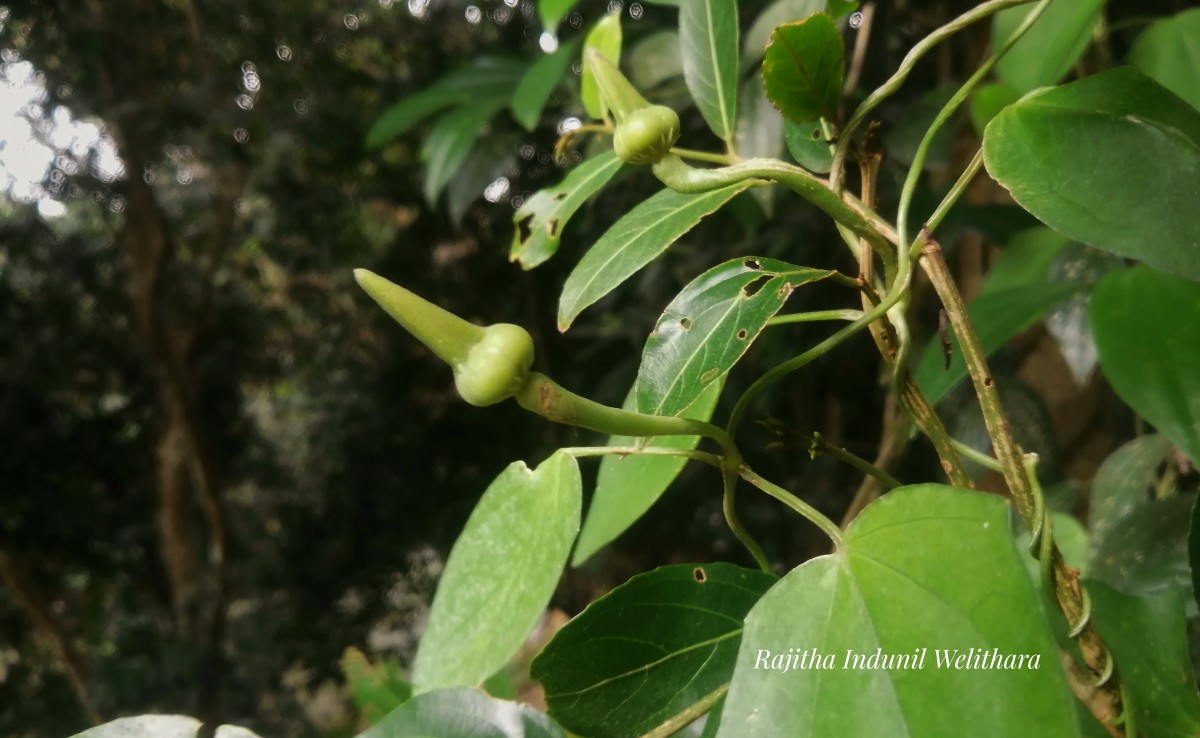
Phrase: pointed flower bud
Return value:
(645, 133)
(490, 363)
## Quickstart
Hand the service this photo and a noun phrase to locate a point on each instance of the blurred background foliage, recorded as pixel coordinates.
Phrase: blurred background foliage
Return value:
(221, 466)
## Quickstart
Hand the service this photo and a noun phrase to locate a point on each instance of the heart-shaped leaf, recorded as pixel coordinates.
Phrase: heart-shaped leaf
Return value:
(500, 574)
(1148, 638)
(1110, 161)
(628, 485)
(633, 242)
(649, 649)
(771, 17)
(989, 100)
(540, 221)
(709, 326)
(1138, 544)
(807, 144)
(1147, 327)
(463, 713)
(927, 596)
(804, 67)
(708, 35)
(1050, 47)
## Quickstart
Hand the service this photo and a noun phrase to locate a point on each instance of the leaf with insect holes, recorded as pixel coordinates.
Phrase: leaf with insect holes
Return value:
(540, 221)
(709, 326)
(1147, 326)
(803, 69)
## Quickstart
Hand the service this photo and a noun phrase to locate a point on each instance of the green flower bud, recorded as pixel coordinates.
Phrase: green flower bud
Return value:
(497, 367)
(490, 364)
(646, 135)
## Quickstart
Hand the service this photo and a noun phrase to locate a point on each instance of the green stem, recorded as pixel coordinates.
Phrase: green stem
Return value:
(814, 316)
(545, 397)
(958, 98)
(1070, 595)
(797, 362)
(972, 454)
(681, 177)
(708, 156)
(809, 512)
(822, 446)
(583, 452)
(906, 255)
(729, 508)
(956, 192)
(690, 715)
(906, 66)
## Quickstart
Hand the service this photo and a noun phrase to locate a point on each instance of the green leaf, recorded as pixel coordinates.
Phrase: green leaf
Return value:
(628, 486)
(773, 16)
(463, 713)
(759, 127)
(713, 719)
(804, 67)
(488, 76)
(551, 12)
(649, 649)
(1147, 327)
(907, 583)
(539, 223)
(997, 316)
(490, 158)
(450, 140)
(654, 60)
(807, 144)
(759, 134)
(1050, 47)
(708, 34)
(1169, 53)
(1026, 260)
(500, 574)
(633, 242)
(1111, 161)
(539, 81)
(1147, 636)
(1069, 323)
(159, 726)
(378, 688)
(709, 325)
(988, 101)
(1138, 544)
(605, 37)
(838, 8)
